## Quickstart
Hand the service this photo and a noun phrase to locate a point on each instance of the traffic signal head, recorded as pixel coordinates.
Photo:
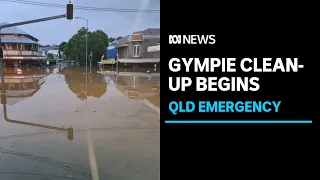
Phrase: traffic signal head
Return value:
(70, 134)
(1, 52)
(90, 57)
(70, 11)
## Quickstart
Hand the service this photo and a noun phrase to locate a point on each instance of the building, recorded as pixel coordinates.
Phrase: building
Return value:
(19, 47)
(133, 49)
(54, 52)
(111, 50)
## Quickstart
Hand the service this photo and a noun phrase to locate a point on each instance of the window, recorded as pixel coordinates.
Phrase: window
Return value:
(136, 51)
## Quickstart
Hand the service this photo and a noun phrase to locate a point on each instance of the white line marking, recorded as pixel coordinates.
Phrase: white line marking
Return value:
(148, 103)
(92, 158)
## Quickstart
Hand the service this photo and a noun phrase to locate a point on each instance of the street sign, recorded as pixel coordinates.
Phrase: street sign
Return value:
(1, 53)
(70, 11)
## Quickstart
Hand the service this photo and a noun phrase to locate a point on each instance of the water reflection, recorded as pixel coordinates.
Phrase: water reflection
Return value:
(140, 84)
(17, 86)
(75, 77)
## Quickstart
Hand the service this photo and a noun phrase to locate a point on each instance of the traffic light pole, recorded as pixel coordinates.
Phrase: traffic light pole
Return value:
(32, 21)
(68, 130)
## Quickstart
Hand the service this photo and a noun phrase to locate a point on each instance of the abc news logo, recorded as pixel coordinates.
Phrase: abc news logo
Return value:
(192, 39)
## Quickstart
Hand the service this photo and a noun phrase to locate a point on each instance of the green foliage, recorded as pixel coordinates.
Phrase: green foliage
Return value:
(50, 55)
(76, 47)
(111, 39)
(61, 47)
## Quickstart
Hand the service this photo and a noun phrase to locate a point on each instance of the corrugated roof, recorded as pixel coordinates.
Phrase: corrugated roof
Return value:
(155, 31)
(123, 41)
(13, 30)
(18, 40)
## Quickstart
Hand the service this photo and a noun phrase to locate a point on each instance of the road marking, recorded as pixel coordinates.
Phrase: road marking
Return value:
(92, 158)
(148, 103)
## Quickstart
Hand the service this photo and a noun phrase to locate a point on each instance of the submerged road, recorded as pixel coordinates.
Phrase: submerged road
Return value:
(115, 136)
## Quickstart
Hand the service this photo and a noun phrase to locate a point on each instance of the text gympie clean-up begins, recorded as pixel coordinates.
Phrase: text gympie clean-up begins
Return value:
(227, 65)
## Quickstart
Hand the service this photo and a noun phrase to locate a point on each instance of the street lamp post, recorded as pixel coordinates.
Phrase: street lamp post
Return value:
(86, 55)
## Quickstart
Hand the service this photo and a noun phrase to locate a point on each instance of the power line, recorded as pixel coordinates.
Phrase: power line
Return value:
(82, 7)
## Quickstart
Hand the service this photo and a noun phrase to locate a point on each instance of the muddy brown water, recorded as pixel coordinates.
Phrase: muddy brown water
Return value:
(115, 122)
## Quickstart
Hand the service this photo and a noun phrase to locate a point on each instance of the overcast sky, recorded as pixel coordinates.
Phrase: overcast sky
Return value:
(114, 24)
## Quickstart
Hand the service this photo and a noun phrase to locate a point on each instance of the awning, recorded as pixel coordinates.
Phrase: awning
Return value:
(144, 60)
(138, 74)
(154, 48)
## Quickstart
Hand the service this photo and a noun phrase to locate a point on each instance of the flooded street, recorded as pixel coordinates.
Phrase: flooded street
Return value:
(56, 123)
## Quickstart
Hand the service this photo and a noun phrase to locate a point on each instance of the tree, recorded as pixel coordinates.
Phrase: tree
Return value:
(111, 39)
(75, 50)
(50, 56)
(98, 42)
(61, 47)
(119, 37)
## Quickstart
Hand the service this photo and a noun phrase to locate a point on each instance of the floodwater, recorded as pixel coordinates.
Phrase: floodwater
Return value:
(57, 124)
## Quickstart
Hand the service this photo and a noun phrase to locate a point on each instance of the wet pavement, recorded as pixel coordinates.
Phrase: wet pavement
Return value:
(54, 125)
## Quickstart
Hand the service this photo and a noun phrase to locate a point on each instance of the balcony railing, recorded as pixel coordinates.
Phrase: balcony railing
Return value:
(21, 53)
